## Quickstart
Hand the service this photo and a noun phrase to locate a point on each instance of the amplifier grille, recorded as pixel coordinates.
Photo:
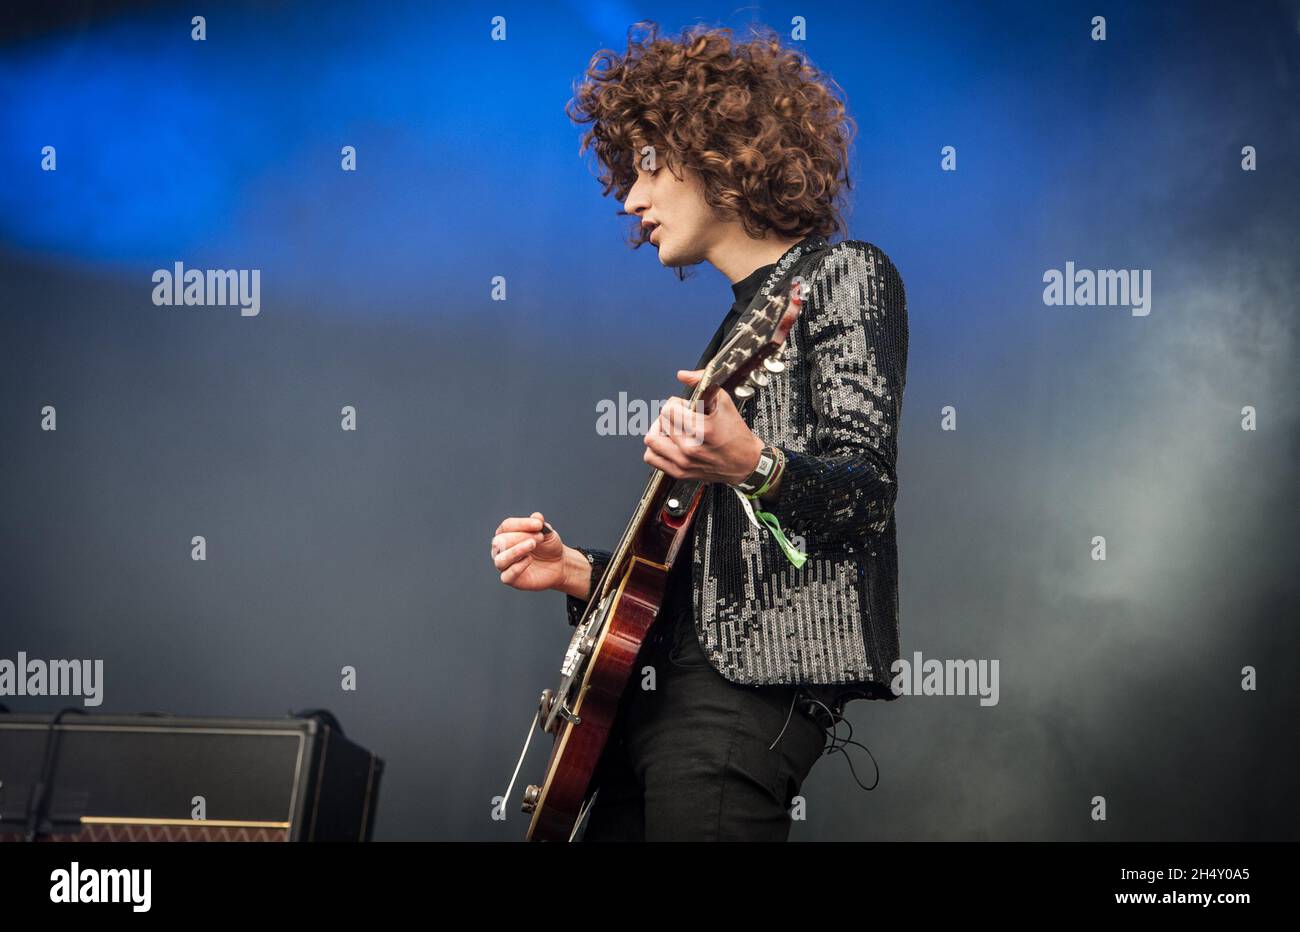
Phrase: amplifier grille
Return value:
(136, 832)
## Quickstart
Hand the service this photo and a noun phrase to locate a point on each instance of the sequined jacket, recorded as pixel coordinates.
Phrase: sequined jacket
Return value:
(835, 411)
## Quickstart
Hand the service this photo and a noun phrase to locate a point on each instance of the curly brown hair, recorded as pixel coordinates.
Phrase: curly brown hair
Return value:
(756, 121)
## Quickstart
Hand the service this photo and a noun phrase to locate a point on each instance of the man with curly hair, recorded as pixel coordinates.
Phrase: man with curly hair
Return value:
(735, 154)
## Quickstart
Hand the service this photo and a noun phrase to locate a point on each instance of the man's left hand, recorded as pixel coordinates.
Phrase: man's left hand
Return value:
(713, 444)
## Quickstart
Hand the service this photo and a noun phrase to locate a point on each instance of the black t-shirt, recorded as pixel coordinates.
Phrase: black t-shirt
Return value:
(678, 601)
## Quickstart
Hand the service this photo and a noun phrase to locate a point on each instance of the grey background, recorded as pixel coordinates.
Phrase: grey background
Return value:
(1119, 679)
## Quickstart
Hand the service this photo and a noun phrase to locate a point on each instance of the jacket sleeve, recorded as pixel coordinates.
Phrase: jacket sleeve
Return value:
(598, 560)
(854, 322)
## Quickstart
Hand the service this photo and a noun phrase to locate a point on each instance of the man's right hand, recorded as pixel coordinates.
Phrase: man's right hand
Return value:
(532, 561)
(528, 559)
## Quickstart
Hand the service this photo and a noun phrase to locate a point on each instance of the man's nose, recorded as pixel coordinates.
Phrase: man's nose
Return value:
(636, 199)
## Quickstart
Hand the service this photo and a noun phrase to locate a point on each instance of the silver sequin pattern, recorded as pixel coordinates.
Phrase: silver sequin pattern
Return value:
(835, 410)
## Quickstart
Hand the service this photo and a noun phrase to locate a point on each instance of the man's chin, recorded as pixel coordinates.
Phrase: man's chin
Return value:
(669, 259)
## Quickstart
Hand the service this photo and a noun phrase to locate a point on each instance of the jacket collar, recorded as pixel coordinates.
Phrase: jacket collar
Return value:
(785, 265)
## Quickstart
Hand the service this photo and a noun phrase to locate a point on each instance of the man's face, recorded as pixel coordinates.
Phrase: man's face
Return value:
(683, 221)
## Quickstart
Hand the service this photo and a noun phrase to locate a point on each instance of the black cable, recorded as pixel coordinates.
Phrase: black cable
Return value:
(42, 792)
(838, 745)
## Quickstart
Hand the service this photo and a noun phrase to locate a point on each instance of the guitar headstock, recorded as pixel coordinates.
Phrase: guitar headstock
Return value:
(754, 349)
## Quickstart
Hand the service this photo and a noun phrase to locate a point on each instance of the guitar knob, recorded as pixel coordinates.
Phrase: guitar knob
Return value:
(546, 706)
(532, 793)
(743, 391)
(772, 364)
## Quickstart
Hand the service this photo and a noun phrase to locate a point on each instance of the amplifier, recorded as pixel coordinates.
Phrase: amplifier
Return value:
(169, 778)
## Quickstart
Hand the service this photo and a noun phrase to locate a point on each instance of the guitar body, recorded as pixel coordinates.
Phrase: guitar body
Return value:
(602, 653)
(622, 627)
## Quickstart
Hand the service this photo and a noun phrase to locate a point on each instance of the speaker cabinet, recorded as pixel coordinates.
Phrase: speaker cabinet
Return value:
(146, 777)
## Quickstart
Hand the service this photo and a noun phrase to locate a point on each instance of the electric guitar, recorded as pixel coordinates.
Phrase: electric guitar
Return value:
(598, 663)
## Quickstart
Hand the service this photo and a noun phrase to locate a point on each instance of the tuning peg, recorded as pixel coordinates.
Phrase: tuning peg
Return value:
(759, 378)
(772, 364)
(743, 391)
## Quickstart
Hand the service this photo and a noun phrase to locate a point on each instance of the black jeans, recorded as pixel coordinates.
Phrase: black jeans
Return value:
(692, 759)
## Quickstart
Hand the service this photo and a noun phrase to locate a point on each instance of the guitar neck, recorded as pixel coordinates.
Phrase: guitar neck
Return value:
(653, 484)
(738, 363)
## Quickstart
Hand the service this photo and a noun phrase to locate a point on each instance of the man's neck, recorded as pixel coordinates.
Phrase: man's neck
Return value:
(738, 255)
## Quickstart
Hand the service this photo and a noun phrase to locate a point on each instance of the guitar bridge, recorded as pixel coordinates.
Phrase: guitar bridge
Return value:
(579, 647)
